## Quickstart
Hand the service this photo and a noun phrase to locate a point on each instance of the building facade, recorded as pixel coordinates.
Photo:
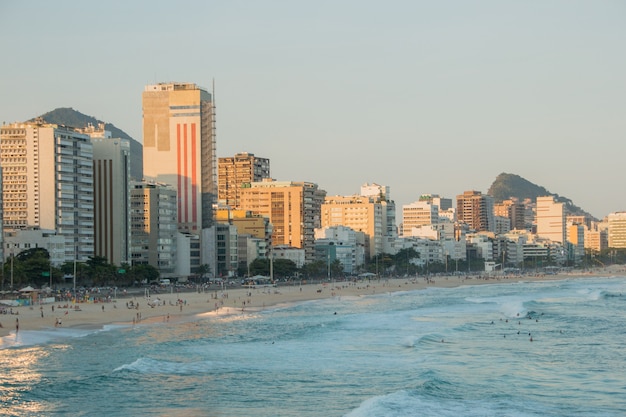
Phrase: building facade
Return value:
(48, 183)
(111, 173)
(417, 214)
(239, 171)
(617, 230)
(154, 226)
(550, 219)
(179, 149)
(476, 210)
(293, 209)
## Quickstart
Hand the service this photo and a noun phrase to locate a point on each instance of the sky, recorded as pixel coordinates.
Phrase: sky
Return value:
(422, 96)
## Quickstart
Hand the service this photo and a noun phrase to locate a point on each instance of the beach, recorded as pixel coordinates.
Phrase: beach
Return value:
(515, 346)
(170, 305)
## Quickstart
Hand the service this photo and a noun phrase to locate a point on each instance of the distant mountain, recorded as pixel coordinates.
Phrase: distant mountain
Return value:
(69, 117)
(510, 185)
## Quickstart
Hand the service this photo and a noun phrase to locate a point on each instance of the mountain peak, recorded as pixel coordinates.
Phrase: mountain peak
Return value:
(69, 117)
(507, 185)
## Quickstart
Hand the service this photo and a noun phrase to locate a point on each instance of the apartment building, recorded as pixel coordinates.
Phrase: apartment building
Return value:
(48, 183)
(236, 172)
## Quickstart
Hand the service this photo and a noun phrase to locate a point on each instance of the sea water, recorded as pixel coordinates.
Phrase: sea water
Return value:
(555, 348)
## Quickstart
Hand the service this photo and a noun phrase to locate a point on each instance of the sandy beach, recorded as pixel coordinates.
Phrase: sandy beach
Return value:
(171, 306)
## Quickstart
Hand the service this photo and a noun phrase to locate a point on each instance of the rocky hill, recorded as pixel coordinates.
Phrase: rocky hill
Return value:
(69, 117)
(510, 185)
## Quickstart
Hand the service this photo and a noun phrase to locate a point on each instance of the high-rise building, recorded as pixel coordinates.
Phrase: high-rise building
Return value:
(236, 172)
(293, 209)
(153, 226)
(179, 148)
(617, 230)
(476, 210)
(370, 213)
(514, 210)
(418, 213)
(551, 219)
(111, 173)
(48, 183)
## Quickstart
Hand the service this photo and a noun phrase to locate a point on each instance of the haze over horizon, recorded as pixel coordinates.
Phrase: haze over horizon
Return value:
(425, 97)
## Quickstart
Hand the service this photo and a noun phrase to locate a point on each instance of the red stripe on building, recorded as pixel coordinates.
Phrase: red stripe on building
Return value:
(178, 173)
(194, 184)
(186, 173)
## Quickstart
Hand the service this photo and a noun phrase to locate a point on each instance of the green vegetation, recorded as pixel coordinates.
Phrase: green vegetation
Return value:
(32, 267)
(506, 186)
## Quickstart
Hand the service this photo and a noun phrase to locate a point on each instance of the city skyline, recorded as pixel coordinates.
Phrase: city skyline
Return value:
(424, 98)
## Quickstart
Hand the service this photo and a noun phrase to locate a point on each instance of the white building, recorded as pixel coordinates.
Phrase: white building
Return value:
(18, 240)
(287, 252)
(550, 219)
(617, 230)
(48, 183)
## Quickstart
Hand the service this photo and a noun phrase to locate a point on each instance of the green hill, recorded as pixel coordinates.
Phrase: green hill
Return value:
(510, 185)
(69, 117)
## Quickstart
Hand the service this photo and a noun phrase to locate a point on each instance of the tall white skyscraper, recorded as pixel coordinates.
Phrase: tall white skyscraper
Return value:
(48, 183)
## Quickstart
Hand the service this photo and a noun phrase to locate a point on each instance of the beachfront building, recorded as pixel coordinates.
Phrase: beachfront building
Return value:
(111, 173)
(293, 209)
(382, 194)
(237, 172)
(369, 213)
(617, 230)
(47, 177)
(179, 149)
(296, 255)
(476, 210)
(597, 237)
(417, 214)
(1, 222)
(154, 226)
(18, 240)
(225, 260)
(349, 246)
(575, 234)
(551, 219)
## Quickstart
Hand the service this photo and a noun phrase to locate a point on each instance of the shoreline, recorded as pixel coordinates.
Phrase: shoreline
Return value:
(179, 307)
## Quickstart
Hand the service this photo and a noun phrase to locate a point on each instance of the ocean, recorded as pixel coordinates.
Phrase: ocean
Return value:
(554, 348)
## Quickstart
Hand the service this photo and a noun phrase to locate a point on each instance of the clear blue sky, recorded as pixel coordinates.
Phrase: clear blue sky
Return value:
(423, 96)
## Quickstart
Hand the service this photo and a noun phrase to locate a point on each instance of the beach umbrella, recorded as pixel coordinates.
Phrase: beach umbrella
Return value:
(27, 289)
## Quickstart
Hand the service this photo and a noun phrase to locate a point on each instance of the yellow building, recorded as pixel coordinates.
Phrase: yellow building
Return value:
(293, 209)
(360, 213)
(235, 172)
(246, 222)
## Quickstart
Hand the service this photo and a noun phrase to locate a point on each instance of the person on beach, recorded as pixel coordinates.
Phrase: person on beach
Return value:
(17, 325)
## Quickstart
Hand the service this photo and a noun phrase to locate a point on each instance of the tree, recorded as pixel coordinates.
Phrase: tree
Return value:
(202, 270)
(260, 266)
(336, 269)
(145, 272)
(284, 268)
(314, 269)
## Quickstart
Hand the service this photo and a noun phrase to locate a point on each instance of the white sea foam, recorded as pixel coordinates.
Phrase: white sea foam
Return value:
(406, 403)
(154, 366)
